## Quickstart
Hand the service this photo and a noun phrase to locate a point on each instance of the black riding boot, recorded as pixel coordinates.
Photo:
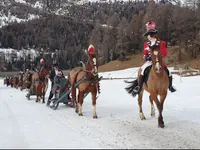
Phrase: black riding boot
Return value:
(171, 88)
(140, 84)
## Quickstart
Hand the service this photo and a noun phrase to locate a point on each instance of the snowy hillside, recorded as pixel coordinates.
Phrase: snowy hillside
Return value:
(25, 10)
(174, 2)
(12, 12)
(33, 9)
(5, 20)
(26, 124)
(19, 53)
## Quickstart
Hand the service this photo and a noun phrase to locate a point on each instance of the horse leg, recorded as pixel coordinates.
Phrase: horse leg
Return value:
(142, 117)
(160, 107)
(94, 98)
(43, 97)
(73, 93)
(37, 98)
(37, 93)
(80, 103)
(152, 107)
(43, 94)
(160, 117)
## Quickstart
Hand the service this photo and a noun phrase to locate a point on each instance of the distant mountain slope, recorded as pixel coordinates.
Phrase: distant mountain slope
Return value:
(25, 10)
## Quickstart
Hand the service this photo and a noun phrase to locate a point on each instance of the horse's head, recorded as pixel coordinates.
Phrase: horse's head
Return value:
(20, 76)
(156, 56)
(27, 76)
(92, 64)
(44, 72)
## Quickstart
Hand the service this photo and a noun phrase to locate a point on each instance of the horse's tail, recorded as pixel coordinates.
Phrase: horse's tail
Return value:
(130, 88)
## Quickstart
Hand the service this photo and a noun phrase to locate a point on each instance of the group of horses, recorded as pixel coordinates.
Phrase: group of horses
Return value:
(86, 80)
(27, 80)
(15, 81)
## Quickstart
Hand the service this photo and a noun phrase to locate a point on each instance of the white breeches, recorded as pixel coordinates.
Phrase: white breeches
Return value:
(146, 64)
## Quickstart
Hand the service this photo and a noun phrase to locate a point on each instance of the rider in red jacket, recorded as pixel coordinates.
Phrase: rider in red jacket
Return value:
(151, 35)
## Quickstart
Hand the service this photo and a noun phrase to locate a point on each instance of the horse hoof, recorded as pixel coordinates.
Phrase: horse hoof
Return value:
(152, 114)
(161, 125)
(142, 117)
(95, 117)
(80, 114)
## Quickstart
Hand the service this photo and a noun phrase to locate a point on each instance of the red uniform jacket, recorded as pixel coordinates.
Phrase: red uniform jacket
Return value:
(163, 49)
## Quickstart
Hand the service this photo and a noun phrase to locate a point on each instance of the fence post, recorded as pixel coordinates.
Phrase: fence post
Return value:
(180, 73)
(109, 76)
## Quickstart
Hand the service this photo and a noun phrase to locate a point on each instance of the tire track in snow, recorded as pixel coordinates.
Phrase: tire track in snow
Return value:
(12, 133)
(135, 133)
(172, 136)
(120, 131)
(40, 127)
(78, 125)
(70, 127)
(101, 130)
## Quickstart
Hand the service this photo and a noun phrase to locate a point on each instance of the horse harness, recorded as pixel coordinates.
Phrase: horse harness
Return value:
(94, 81)
(38, 79)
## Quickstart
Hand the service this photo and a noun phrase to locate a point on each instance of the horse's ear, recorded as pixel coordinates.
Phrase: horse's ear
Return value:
(154, 45)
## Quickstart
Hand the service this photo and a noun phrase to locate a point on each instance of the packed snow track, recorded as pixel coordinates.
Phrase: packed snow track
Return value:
(27, 124)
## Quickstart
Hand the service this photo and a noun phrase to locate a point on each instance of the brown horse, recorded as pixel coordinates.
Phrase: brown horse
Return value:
(40, 83)
(15, 81)
(11, 81)
(156, 85)
(86, 80)
(20, 78)
(5, 81)
(27, 80)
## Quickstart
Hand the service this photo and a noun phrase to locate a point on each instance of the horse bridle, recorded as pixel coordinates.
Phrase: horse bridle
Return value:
(156, 53)
(93, 65)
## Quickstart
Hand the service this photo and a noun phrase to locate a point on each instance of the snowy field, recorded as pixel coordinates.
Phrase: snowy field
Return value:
(26, 124)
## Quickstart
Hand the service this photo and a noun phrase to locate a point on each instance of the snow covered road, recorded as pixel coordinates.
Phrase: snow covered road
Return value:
(26, 124)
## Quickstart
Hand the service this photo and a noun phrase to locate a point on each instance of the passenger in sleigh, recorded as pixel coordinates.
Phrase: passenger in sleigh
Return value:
(57, 84)
(151, 35)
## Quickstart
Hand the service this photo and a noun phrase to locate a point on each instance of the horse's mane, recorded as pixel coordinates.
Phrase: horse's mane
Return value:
(42, 78)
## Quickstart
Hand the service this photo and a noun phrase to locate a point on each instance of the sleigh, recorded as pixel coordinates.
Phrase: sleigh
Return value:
(63, 94)
(32, 90)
